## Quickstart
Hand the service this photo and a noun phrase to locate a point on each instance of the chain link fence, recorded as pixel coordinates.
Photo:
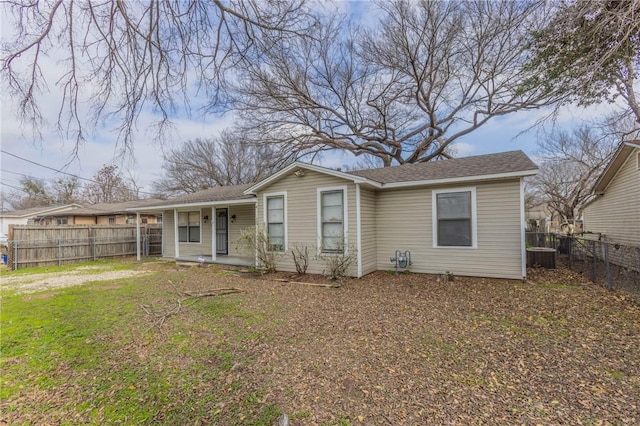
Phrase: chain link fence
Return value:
(616, 266)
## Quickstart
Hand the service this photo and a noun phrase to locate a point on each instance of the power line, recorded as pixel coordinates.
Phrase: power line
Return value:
(46, 167)
(59, 171)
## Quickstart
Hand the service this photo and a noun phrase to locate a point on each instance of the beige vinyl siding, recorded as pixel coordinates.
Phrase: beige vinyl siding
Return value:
(204, 246)
(186, 249)
(368, 229)
(245, 218)
(616, 214)
(302, 214)
(404, 222)
(168, 234)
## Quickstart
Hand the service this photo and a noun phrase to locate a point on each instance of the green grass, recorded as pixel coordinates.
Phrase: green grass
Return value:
(100, 359)
(89, 267)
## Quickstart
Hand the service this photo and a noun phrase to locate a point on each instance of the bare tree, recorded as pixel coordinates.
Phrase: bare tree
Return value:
(33, 192)
(66, 190)
(430, 73)
(571, 164)
(590, 52)
(123, 57)
(229, 159)
(108, 186)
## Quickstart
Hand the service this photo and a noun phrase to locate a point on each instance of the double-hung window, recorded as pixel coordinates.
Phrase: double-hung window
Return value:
(189, 227)
(332, 221)
(275, 222)
(454, 218)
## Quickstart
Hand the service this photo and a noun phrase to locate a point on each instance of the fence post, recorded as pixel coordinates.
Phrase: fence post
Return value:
(593, 257)
(59, 252)
(608, 266)
(93, 239)
(15, 255)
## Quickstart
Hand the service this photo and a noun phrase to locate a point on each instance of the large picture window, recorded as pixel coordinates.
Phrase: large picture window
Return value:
(454, 222)
(275, 222)
(332, 221)
(189, 227)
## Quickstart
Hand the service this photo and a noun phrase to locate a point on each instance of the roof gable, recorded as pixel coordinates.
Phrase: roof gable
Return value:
(618, 160)
(300, 166)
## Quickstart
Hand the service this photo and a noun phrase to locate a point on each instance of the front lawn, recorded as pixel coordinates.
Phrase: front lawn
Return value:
(382, 350)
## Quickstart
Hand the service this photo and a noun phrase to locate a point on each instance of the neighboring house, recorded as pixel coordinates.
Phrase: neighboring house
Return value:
(107, 214)
(464, 216)
(614, 213)
(35, 215)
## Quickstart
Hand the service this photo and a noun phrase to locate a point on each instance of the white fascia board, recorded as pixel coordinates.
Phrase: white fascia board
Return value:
(190, 205)
(312, 167)
(460, 179)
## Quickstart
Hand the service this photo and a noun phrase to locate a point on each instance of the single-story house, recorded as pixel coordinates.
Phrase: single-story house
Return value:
(464, 216)
(35, 215)
(614, 212)
(108, 214)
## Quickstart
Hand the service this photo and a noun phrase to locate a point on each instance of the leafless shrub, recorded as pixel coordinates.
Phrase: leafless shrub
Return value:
(300, 255)
(254, 241)
(337, 263)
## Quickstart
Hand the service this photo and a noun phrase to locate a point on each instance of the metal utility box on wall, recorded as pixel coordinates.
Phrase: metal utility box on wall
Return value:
(402, 260)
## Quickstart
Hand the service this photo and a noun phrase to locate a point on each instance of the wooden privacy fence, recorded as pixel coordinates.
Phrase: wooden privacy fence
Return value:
(31, 246)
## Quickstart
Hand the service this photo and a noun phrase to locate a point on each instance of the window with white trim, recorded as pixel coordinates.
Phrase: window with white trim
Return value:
(332, 221)
(454, 221)
(275, 222)
(189, 227)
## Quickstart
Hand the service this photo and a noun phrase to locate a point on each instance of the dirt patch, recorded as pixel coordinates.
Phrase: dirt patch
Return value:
(38, 282)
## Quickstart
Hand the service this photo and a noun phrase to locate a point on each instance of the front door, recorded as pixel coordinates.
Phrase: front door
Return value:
(222, 232)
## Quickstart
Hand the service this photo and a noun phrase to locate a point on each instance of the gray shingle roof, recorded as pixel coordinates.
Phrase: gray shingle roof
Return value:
(107, 208)
(217, 193)
(35, 211)
(505, 162)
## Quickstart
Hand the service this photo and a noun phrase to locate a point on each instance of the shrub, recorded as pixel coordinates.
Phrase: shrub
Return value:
(254, 241)
(337, 264)
(300, 254)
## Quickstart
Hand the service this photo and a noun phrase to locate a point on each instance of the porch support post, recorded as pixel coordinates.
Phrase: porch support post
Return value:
(523, 224)
(138, 236)
(358, 231)
(214, 234)
(176, 243)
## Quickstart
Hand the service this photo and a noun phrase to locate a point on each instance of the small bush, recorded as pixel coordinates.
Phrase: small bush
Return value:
(254, 241)
(337, 264)
(300, 254)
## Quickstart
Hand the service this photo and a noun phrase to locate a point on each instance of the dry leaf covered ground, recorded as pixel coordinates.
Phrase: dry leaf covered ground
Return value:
(407, 349)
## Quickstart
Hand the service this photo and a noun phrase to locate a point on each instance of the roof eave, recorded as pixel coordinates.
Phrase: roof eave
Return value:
(194, 204)
(462, 179)
(619, 158)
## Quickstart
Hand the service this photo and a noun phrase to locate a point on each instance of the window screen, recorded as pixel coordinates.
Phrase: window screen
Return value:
(189, 227)
(454, 219)
(275, 223)
(332, 219)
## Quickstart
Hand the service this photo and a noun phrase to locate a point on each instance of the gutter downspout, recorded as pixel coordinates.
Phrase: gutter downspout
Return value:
(176, 243)
(523, 250)
(358, 231)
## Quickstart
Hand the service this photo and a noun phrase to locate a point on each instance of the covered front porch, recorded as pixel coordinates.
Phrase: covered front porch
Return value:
(209, 231)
